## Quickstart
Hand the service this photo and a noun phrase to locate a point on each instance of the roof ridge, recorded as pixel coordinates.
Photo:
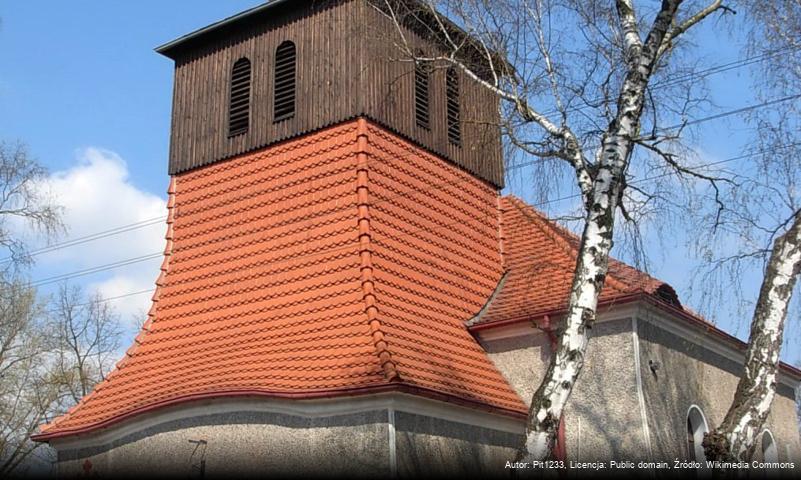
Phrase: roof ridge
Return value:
(365, 254)
(563, 237)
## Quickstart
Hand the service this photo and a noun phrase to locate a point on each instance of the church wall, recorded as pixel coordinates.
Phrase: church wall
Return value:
(434, 447)
(243, 443)
(603, 420)
(689, 374)
(368, 436)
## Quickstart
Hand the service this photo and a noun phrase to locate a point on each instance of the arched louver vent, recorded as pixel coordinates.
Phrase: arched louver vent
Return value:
(239, 104)
(452, 101)
(421, 113)
(284, 97)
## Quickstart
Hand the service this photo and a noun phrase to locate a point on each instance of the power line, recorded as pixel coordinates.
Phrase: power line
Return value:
(100, 268)
(676, 80)
(436, 187)
(108, 299)
(386, 199)
(702, 74)
(153, 221)
(729, 113)
(350, 246)
(118, 297)
(667, 174)
(725, 67)
(94, 236)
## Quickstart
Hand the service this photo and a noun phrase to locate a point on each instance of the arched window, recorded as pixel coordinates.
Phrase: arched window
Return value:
(452, 101)
(769, 451)
(421, 113)
(696, 428)
(284, 93)
(239, 99)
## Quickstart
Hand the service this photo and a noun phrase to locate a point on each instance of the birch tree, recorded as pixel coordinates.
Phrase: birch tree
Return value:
(576, 84)
(767, 221)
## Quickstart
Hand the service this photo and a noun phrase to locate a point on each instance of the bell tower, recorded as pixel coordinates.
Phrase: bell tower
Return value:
(333, 223)
(286, 69)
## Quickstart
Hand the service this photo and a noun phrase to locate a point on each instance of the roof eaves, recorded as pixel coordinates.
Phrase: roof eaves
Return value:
(47, 436)
(651, 299)
(168, 49)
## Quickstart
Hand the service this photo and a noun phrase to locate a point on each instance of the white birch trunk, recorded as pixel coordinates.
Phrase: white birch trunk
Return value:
(735, 438)
(601, 203)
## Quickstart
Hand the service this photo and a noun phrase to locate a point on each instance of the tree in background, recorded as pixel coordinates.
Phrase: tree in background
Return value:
(87, 335)
(586, 86)
(26, 392)
(51, 353)
(764, 216)
(22, 200)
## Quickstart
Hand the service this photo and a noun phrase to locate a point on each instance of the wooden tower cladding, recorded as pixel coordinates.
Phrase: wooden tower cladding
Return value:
(317, 63)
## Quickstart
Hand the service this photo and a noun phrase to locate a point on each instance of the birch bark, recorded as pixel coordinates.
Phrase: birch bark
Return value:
(514, 28)
(735, 438)
(596, 242)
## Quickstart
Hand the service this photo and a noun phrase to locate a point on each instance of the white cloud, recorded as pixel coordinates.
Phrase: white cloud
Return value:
(97, 195)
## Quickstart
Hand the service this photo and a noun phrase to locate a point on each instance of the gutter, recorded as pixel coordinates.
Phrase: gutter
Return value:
(551, 313)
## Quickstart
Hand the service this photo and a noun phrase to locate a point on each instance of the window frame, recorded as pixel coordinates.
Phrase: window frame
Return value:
(285, 113)
(236, 126)
(453, 107)
(422, 95)
(697, 426)
(772, 448)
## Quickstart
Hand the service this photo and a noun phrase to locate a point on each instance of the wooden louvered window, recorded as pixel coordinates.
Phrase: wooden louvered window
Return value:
(239, 102)
(452, 104)
(421, 99)
(284, 94)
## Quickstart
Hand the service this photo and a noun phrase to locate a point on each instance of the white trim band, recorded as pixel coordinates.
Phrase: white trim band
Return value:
(314, 408)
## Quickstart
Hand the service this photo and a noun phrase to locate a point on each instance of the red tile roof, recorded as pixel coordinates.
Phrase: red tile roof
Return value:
(344, 262)
(340, 262)
(540, 258)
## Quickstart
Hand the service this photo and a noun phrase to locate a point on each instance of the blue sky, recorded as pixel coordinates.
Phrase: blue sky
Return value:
(81, 85)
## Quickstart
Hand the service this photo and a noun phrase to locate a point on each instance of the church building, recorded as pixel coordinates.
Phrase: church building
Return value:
(345, 291)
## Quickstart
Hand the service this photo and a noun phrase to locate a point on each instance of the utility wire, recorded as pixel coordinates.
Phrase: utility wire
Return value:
(667, 174)
(121, 263)
(110, 299)
(100, 268)
(729, 113)
(143, 258)
(94, 236)
(701, 74)
(725, 67)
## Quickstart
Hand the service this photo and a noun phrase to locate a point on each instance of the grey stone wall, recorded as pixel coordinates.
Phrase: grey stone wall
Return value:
(690, 374)
(603, 418)
(270, 444)
(438, 448)
(244, 443)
